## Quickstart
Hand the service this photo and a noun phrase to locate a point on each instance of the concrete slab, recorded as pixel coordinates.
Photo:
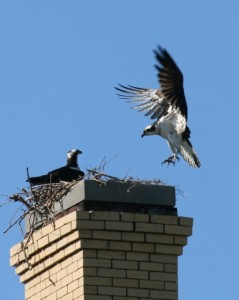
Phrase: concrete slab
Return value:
(90, 190)
(117, 196)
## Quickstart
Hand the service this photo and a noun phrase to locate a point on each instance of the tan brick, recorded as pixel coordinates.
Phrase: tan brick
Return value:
(89, 271)
(95, 244)
(47, 229)
(151, 284)
(109, 254)
(159, 238)
(135, 217)
(97, 297)
(78, 273)
(135, 274)
(97, 280)
(21, 268)
(62, 243)
(61, 292)
(171, 268)
(163, 276)
(151, 266)
(33, 282)
(180, 240)
(118, 291)
(138, 292)
(73, 247)
(77, 256)
(80, 263)
(76, 294)
(143, 247)
(169, 249)
(93, 262)
(90, 224)
(61, 274)
(51, 280)
(67, 280)
(44, 241)
(30, 292)
(90, 253)
(32, 248)
(138, 256)
(163, 219)
(44, 276)
(55, 235)
(85, 233)
(148, 227)
(114, 273)
(18, 258)
(35, 237)
(124, 264)
(35, 297)
(26, 276)
(133, 236)
(81, 281)
(47, 291)
(66, 229)
(44, 264)
(164, 258)
(83, 215)
(105, 215)
(171, 286)
(123, 246)
(69, 296)
(90, 289)
(125, 298)
(186, 221)
(17, 248)
(52, 296)
(72, 267)
(163, 295)
(125, 282)
(65, 219)
(121, 226)
(47, 251)
(38, 289)
(178, 230)
(128, 217)
(106, 235)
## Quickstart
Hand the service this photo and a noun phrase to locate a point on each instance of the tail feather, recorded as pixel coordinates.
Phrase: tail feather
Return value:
(44, 179)
(188, 153)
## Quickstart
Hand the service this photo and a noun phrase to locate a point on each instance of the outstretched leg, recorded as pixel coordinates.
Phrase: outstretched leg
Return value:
(171, 160)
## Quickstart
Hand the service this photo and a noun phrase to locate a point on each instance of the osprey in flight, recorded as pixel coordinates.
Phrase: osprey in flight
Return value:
(69, 172)
(168, 105)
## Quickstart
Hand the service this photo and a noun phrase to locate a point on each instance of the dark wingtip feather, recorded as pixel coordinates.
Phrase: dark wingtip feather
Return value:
(196, 160)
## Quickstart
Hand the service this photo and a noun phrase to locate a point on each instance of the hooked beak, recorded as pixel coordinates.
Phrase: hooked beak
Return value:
(78, 152)
(142, 135)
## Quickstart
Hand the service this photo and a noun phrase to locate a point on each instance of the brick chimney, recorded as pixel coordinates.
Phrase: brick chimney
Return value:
(113, 242)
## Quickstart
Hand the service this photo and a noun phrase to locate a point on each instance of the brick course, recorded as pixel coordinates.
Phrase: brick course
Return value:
(103, 256)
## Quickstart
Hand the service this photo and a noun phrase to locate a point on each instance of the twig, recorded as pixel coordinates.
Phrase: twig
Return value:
(103, 174)
(17, 197)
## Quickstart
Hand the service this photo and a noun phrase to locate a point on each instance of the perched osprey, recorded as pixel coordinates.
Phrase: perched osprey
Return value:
(168, 105)
(69, 172)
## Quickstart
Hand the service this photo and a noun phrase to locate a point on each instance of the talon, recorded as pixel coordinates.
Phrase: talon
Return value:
(168, 161)
(171, 160)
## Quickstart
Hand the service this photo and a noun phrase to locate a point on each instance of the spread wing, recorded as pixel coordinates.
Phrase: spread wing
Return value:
(157, 102)
(171, 81)
(150, 101)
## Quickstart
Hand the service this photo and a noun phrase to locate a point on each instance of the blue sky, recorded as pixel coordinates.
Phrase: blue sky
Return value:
(59, 61)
